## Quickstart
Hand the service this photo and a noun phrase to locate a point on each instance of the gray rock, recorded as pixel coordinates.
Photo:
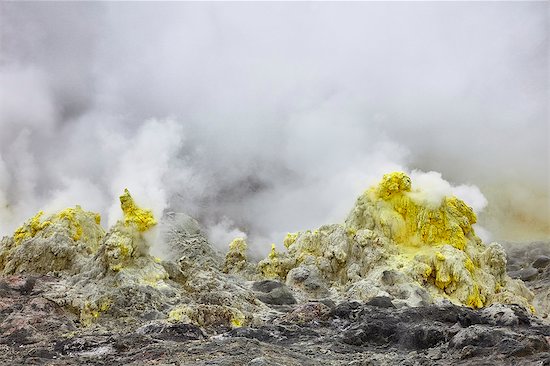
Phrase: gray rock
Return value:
(500, 315)
(178, 332)
(266, 285)
(277, 296)
(35, 331)
(526, 274)
(307, 279)
(541, 261)
(381, 302)
(183, 239)
(476, 335)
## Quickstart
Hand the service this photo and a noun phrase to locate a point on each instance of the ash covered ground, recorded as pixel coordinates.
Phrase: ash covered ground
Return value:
(402, 281)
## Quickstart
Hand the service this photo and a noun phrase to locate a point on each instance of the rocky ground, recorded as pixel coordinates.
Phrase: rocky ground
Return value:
(386, 287)
(36, 331)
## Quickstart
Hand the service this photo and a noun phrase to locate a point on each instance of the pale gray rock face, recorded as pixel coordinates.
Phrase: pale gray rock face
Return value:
(181, 237)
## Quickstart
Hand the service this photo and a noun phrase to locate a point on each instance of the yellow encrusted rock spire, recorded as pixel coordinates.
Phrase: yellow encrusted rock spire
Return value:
(133, 215)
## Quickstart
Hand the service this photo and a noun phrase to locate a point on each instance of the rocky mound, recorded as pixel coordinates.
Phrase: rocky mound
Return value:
(112, 279)
(397, 243)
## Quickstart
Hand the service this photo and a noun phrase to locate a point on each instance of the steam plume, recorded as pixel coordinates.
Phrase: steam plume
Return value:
(260, 119)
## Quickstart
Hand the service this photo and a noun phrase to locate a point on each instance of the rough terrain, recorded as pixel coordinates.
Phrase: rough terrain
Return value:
(36, 331)
(403, 281)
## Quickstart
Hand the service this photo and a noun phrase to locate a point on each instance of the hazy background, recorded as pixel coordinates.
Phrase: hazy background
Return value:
(265, 118)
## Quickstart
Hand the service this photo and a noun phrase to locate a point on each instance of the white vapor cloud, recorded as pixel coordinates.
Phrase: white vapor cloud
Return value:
(263, 118)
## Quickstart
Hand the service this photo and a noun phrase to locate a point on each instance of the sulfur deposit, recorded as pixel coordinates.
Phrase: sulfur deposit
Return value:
(396, 243)
(112, 276)
(72, 293)
(59, 242)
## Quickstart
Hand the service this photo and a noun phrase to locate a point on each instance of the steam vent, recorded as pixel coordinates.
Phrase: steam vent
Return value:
(402, 280)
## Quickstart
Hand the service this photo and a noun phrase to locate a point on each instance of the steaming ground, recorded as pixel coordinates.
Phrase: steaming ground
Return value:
(404, 280)
(259, 119)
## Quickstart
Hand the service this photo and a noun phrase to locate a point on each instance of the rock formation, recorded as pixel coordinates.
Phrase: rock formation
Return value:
(403, 280)
(395, 243)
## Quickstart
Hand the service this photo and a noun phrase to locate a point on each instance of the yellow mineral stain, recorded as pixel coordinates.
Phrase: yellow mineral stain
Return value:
(92, 310)
(289, 239)
(74, 218)
(271, 267)
(235, 259)
(413, 224)
(133, 215)
(423, 230)
(30, 228)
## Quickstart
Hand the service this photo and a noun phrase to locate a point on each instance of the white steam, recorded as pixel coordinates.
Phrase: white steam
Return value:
(264, 118)
(430, 188)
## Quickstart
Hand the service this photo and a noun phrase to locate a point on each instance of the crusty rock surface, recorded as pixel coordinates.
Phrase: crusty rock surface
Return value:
(400, 242)
(36, 331)
(341, 295)
(530, 262)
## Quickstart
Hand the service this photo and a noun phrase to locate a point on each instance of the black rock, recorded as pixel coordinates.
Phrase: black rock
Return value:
(423, 337)
(378, 332)
(345, 309)
(381, 302)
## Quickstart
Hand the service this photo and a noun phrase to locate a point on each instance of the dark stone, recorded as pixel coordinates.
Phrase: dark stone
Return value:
(377, 332)
(262, 361)
(526, 274)
(18, 337)
(152, 315)
(450, 314)
(381, 302)
(274, 334)
(423, 337)
(266, 285)
(263, 335)
(42, 353)
(538, 343)
(541, 261)
(277, 296)
(476, 335)
(525, 348)
(509, 346)
(328, 302)
(309, 312)
(522, 314)
(5, 290)
(345, 309)
(79, 344)
(468, 352)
